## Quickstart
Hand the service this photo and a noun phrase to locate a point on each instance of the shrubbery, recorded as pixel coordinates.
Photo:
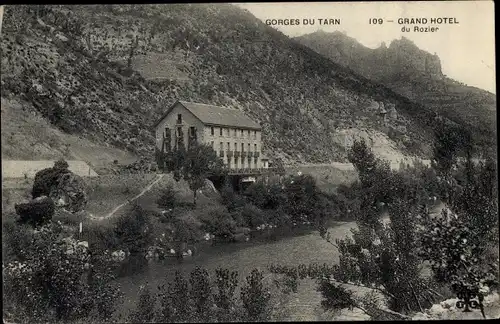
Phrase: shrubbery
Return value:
(167, 198)
(202, 299)
(134, 231)
(388, 259)
(56, 277)
(36, 212)
(218, 221)
(457, 243)
(252, 216)
(47, 179)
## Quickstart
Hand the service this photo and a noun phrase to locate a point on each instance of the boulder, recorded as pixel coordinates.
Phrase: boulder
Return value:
(393, 114)
(209, 187)
(69, 192)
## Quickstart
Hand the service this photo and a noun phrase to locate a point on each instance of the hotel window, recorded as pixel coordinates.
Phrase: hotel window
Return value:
(167, 132)
(255, 147)
(242, 147)
(242, 133)
(212, 143)
(192, 130)
(248, 133)
(179, 118)
(255, 134)
(221, 131)
(235, 147)
(212, 131)
(248, 147)
(179, 131)
(221, 146)
(228, 146)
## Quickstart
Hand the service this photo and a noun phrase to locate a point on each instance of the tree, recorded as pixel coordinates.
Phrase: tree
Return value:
(457, 243)
(372, 172)
(195, 165)
(167, 198)
(57, 278)
(363, 159)
(255, 297)
(280, 166)
(134, 230)
(48, 178)
(450, 140)
(199, 299)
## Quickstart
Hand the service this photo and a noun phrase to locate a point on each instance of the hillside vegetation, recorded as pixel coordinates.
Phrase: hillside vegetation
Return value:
(415, 74)
(107, 73)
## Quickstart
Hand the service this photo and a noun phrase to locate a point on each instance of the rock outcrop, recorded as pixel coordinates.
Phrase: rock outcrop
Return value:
(69, 192)
(77, 76)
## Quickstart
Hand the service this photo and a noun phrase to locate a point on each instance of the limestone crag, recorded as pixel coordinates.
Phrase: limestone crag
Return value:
(107, 73)
(69, 192)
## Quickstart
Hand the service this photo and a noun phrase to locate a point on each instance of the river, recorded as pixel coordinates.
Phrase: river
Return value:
(299, 248)
(243, 257)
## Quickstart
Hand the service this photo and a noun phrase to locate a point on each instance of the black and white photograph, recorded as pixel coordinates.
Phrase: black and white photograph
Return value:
(249, 162)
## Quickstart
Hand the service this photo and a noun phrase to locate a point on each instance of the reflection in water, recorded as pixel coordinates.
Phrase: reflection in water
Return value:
(304, 246)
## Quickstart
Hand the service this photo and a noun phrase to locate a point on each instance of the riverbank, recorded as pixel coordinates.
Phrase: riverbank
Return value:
(305, 246)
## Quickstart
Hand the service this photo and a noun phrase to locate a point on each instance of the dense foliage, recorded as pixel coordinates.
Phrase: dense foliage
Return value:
(37, 212)
(47, 179)
(194, 165)
(458, 244)
(167, 198)
(200, 298)
(134, 230)
(389, 259)
(50, 276)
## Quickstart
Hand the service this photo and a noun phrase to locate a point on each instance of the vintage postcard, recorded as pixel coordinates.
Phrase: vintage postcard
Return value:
(233, 162)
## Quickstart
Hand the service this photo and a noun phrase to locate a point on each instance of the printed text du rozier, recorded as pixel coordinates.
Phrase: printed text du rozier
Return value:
(419, 25)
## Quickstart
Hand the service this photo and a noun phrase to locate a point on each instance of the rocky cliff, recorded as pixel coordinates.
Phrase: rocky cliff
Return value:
(415, 74)
(106, 73)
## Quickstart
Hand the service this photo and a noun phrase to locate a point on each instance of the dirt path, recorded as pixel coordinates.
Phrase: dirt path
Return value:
(148, 187)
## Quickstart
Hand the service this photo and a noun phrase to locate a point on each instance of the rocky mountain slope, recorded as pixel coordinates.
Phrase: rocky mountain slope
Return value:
(415, 74)
(106, 73)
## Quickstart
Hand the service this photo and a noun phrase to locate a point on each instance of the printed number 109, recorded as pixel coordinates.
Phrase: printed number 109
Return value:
(375, 21)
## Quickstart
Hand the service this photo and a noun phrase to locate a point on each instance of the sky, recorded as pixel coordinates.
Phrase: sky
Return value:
(466, 49)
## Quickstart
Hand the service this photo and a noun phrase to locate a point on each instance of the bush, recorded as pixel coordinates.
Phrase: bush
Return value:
(16, 238)
(218, 221)
(201, 299)
(266, 196)
(47, 179)
(186, 227)
(167, 198)
(304, 201)
(230, 199)
(133, 230)
(57, 279)
(37, 212)
(101, 236)
(256, 193)
(252, 216)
